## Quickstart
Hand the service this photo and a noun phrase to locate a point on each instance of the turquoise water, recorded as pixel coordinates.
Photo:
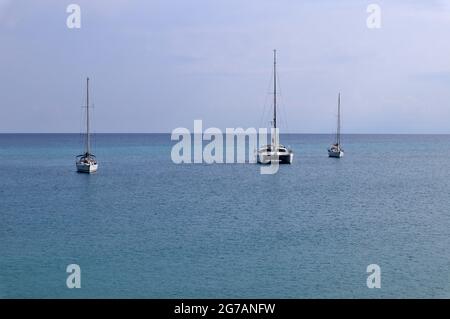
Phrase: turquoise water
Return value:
(145, 227)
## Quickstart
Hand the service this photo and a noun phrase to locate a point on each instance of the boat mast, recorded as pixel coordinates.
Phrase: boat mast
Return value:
(338, 134)
(275, 94)
(274, 88)
(88, 142)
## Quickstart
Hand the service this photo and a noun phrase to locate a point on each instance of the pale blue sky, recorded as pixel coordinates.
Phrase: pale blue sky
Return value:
(158, 65)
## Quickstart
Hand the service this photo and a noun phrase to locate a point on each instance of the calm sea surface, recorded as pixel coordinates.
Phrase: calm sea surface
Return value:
(146, 227)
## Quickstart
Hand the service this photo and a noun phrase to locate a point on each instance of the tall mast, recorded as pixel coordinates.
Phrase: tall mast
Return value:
(274, 88)
(338, 135)
(88, 141)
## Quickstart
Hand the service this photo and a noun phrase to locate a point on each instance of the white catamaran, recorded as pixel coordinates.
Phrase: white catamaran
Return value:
(335, 149)
(87, 162)
(275, 151)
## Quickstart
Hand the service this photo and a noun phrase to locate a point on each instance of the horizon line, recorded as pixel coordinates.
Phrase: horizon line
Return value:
(290, 133)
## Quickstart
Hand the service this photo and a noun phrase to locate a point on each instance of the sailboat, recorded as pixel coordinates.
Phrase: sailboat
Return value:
(275, 151)
(87, 162)
(335, 149)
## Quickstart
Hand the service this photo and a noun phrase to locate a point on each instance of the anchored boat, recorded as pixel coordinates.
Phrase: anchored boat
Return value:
(87, 162)
(335, 149)
(275, 151)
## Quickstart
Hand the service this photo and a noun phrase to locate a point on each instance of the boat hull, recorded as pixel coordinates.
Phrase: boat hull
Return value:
(338, 154)
(86, 168)
(268, 158)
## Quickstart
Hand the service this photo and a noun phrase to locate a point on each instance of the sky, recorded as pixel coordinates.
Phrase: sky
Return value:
(161, 64)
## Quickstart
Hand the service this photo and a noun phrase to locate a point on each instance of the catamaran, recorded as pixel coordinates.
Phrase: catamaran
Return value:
(335, 149)
(275, 151)
(87, 162)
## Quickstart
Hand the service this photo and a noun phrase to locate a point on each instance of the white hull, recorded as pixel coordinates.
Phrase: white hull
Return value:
(87, 168)
(335, 154)
(87, 163)
(269, 157)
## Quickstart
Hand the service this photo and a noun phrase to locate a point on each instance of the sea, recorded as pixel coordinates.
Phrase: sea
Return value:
(145, 227)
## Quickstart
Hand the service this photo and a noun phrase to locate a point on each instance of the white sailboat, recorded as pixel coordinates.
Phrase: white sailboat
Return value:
(335, 149)
(87, 162)
(275, 151)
